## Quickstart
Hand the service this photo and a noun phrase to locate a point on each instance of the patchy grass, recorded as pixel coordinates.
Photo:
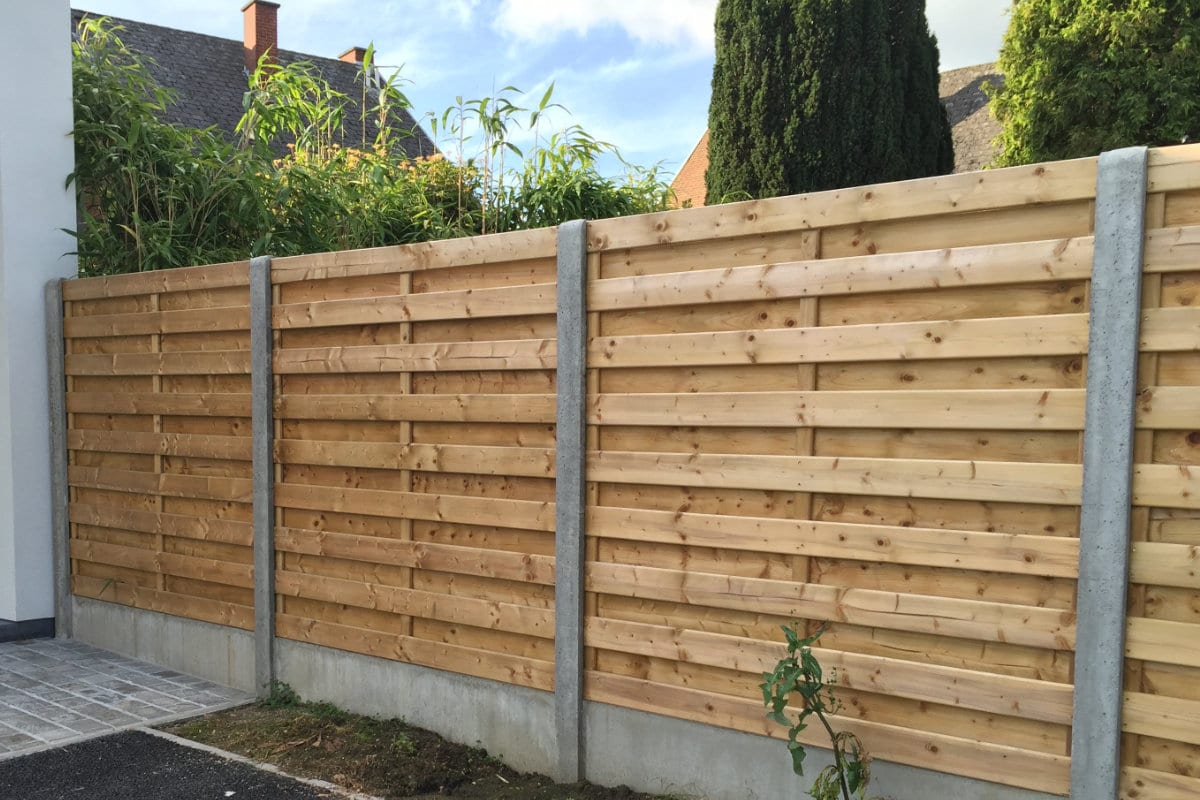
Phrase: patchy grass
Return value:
(383, 757)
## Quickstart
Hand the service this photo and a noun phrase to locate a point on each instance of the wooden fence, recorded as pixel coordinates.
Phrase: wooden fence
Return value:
(863, 406)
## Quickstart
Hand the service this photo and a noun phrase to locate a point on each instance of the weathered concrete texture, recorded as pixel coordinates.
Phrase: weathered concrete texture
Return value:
(60, 524)
(263, 427)
(513, 723)
(1108, 473)
(214, 652)
(658, 754)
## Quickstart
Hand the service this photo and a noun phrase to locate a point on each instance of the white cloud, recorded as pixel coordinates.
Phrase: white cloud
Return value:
(671, 22)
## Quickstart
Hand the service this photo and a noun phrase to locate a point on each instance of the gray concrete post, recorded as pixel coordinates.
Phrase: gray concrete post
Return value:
(1108, 473)
(571, 498)
(60, 523)
(262, 426)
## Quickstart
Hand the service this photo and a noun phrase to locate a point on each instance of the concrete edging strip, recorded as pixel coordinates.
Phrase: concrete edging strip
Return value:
(1113, 335)
(571, 498)
(60, 497)
(262, 426)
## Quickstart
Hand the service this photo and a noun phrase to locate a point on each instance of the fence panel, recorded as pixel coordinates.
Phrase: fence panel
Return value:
(415, 450)
(158, 402)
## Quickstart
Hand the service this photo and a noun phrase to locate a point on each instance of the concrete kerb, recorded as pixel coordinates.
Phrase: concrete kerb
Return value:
(262, 388)
(1116, 292)
(60, 524)
(571, 499)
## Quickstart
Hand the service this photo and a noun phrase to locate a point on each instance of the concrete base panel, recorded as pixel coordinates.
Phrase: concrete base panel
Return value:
(662, 755)
(214, 652)
(513, 723)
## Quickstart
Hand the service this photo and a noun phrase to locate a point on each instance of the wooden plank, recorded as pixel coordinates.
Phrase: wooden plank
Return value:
(1055, 260)
(965, 688)
(493, 615)
(527, 514)
(1148, 784)
(1171, 718)
(237, 490)
(535, 462)
(229, 362)
(1050, 484)
(203, 569)
(1172, 169)
(190, 405)
(1055, 334)
(1003, 409)
(1050, 556)
(205, 609)
(525, 408)
(236, 448)
(966, 619)
(451, 356)
(998, 763)
(946, 194)
(1165, 564)
(522, 567)
(213, 276)
(236, 318)
(1164, 641)
(490, 249)
(1170, 330)
(501, 301)
(466, 660)
(1166, 485)
(1168, 407)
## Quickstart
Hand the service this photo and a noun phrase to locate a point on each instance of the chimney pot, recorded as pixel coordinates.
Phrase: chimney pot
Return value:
(260, 31)
(354, 55)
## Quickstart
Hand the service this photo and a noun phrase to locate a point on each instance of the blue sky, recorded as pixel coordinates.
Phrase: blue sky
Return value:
(632, 72)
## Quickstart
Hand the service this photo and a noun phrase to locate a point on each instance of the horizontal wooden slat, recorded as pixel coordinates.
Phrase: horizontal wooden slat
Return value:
(967, 619)
(420, 408)
(946, 194)
(1164, 641)
(964, 688)
(213, 276)
(491, 249)
(454, 658)
(201, 569)
(1166, 485)
(219, 362)
(524, 567)
(1022, 262)
(238, 490)
(1167, 330)
(1052, 484)
(1171, 718)
(501, 301)
(522, 514)
(1165, 564)
(1055, 556)
(165, 404)
(192, 320)
(1147, 784)
(167, 444)
(1172, 249)
(967, 757)
(489, 614)
(450, 357)
(1168, 407)
(186, 527)
(1050, 335)
(1007, 409)
(1173, 168)
(179, 605)
(537, 462)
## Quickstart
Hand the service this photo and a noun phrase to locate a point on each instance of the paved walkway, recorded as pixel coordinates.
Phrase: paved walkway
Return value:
(54, 692)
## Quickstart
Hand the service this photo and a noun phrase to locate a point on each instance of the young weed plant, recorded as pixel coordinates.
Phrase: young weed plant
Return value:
(799, 680)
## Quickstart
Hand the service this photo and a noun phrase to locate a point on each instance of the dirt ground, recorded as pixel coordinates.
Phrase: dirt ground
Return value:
(386, 758)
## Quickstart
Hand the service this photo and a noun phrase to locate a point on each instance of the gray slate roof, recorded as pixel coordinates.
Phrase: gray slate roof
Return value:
(973, 126)
(209, 76)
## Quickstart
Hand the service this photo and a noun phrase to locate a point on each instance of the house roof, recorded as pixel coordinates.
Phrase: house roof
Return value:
(972, 126)
(209, 76)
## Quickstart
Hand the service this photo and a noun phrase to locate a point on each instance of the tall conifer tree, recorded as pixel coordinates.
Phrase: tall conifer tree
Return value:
(821, 94)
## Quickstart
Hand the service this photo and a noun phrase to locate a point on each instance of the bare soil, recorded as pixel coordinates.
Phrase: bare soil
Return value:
(382, 757)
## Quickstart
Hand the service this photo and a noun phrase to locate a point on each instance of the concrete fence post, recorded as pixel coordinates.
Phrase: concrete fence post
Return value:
(60, 521)
(1114, 329)
(571, 499)
(262, 426)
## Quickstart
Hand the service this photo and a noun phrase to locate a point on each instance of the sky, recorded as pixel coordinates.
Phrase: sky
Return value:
(635, 73)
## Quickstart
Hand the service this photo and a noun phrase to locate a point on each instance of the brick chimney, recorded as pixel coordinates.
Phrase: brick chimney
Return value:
(354, 55)
(259, 19)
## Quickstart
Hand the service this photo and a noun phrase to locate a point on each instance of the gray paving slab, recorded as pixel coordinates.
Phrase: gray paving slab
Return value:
(55, 692)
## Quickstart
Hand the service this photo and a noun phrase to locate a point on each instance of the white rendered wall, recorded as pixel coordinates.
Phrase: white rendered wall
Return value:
(35, 157)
